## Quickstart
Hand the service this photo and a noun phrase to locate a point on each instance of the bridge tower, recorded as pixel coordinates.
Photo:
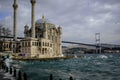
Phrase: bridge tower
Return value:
(97, 42)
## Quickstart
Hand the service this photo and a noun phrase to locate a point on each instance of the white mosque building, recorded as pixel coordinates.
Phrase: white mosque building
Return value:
(43, 39)
(47, 41)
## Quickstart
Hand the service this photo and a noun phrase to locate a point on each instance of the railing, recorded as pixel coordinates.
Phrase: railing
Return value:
(19, 75)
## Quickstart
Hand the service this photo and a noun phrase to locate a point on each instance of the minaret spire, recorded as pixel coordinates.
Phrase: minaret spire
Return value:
(33, 18)
(43, 16)
(15, 6)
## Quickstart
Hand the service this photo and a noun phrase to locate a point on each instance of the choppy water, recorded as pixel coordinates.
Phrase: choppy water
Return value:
(89, 67)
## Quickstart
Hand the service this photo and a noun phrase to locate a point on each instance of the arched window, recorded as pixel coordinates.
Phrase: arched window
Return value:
(39, 43)
(43, 43)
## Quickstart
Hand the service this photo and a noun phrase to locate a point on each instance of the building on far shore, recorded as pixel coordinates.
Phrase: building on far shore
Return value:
(42, 40)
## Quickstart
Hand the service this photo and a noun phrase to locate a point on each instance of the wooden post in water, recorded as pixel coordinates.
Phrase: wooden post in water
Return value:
(6, 69)
(51, 77)
(3, 66)
(0, 64)
(19, 76)
(14, 72)
(71, 78)
(10, 70)
(24, 76)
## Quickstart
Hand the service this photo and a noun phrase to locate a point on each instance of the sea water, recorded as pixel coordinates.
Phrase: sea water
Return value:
(88, 67)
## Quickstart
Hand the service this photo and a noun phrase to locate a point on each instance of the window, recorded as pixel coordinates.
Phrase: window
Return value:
(52, 38)
(33, 43)
(48, 36)
(13, 46)
(50, 45)
(47, 44)
(23, 44)
(43, 43)
(39, 43)
(28, 43)
(7, 45)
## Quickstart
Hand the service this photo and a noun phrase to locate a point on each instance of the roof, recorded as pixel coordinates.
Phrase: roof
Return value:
(43, 20)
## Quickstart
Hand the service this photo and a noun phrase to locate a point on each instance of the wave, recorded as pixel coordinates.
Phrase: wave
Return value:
(17, 66)
(103, 56)
(98, 63)
(8, 76)
(89, 67)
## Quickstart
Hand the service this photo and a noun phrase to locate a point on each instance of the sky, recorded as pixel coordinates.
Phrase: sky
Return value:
(79, 19)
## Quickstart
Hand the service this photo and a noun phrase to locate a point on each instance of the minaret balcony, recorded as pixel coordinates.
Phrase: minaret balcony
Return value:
(33, 1)
(15, 6)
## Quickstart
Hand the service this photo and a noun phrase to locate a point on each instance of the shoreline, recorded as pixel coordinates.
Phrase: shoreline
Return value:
(41, 59)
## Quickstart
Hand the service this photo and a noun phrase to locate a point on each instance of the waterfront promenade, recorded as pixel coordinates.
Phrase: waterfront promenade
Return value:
(5, 76)
(11, 73)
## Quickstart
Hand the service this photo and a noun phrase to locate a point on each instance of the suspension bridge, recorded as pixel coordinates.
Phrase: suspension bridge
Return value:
(71, 42)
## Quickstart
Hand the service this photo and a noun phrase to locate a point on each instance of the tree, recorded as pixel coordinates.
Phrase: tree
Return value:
(6, 32)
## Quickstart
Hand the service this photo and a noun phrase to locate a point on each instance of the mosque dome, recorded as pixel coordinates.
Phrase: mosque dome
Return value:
(43, 20)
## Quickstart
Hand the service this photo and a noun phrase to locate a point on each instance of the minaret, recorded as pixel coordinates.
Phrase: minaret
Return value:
(60, 40)
(43, 16)
(15, 6)
(33, 18)
(26, 28)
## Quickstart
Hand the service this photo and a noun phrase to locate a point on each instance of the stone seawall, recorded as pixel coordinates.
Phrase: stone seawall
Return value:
(43, 59)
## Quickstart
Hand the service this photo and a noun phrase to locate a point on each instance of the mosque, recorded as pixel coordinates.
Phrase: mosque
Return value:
(42, 39)
(46, 42)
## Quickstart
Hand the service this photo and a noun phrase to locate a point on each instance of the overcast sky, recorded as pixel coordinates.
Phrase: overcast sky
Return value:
(79, 19)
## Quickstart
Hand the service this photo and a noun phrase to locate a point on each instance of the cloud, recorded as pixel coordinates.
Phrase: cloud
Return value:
(80, 19)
